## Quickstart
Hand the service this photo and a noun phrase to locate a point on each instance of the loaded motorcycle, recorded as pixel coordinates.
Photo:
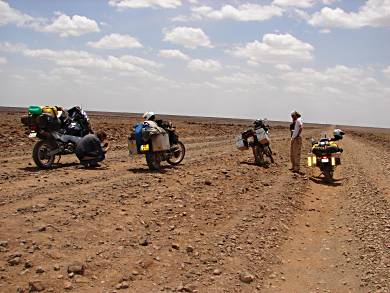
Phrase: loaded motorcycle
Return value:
(257, 139)
(325, 154)
(47, 124)
(157, 147)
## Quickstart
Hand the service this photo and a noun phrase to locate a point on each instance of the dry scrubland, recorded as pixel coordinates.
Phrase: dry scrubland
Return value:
(216, 223)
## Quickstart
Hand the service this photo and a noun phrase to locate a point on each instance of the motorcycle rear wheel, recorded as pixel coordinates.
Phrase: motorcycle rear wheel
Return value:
(268, 154)
(153, 160)
(178, 154)
(328, 174)
(41, 155)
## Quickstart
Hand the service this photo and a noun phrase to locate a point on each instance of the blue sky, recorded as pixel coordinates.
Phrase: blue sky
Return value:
(329, 59)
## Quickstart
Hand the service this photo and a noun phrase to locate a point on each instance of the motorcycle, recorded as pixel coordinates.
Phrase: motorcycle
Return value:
(53, 139)
(257, 139)
(325, 154)
(157, 147)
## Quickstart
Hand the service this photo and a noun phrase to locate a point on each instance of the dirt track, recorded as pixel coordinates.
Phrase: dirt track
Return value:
(196, 227)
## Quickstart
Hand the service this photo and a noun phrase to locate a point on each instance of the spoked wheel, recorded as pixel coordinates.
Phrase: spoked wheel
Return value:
(178, 152)
(41, 154)
(153, 160)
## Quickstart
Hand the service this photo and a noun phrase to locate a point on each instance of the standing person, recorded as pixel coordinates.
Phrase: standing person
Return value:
(296, 141)
(91, 149)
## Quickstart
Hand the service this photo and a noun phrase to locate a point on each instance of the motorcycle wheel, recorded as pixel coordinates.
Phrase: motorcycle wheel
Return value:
(178, 153)
(153, 160)
(41, 155)
(268, 154)
(259, 155)
(328, 174)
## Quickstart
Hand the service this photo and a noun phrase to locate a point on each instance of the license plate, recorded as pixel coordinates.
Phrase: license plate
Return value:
(144, 148)
(32, 135)
(325, 160)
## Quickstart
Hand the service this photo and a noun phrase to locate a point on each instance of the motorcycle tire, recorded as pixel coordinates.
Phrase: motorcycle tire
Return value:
(259, 155)
(328, 174)
(153, 160)
(178, 155)
(40, 154)
(268, 154)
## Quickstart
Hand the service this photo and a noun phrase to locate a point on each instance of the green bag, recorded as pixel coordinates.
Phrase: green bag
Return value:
(35, 110)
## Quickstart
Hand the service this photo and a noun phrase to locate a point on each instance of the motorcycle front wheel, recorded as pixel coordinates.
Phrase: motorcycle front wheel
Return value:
(41, 154)
(153, 160)
(178, 153)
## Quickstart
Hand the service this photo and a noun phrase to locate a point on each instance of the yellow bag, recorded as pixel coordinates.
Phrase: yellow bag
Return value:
(51, 110)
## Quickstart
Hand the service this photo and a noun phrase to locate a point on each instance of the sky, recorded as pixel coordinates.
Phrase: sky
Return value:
(328, 59)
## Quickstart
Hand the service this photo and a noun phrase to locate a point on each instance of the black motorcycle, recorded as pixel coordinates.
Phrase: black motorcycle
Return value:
(54, 141)
(257, 139)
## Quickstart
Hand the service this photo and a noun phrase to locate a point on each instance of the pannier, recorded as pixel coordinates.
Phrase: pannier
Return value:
(262, 136)
(29, 120)
(48, 122)
(160, 142)
(241, 144)
(325, 150)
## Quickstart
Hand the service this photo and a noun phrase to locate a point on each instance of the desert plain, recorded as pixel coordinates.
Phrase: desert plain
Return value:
(215, 223)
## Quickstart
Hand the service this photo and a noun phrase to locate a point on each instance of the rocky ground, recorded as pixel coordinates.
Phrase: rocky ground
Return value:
(215, 223)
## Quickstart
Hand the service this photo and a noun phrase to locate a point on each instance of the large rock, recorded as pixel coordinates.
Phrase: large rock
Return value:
(35, 286)
(76, 268)
(246, 277)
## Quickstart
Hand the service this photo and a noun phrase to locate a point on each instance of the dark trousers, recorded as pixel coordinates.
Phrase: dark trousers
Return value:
(90, 159)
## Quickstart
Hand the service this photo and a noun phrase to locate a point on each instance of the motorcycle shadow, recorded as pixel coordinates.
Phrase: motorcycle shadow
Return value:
(56, 166)
(254, 164)
(322, 181)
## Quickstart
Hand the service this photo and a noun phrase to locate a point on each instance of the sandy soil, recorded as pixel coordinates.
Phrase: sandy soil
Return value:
(216, 223)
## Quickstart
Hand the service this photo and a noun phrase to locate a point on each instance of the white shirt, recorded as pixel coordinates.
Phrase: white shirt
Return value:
(297, 127)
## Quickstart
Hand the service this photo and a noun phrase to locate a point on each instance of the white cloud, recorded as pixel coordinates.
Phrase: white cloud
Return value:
(126, 4)
(374, 13)
(275, 48)
(173, 54)
(294, 3)
(244, 12)
(283, 67)
(66, 71)
(3, 60)
(244, 78)
(116, 41)
(76, 25)
(386, 71)
(188, 37)
(12, 47)
(140, 61)
(10, 15)
(63, 24)
(207, 65)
